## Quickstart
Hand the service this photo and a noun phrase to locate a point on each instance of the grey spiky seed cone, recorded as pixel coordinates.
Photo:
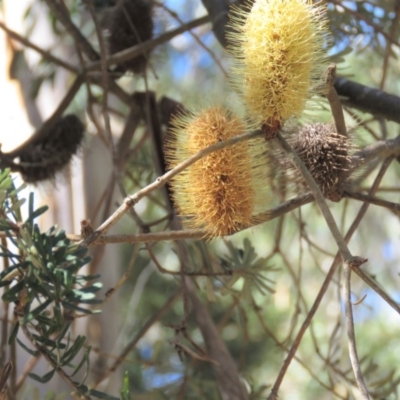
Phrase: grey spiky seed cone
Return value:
(45, 157)
(130, 23)
(326, 154)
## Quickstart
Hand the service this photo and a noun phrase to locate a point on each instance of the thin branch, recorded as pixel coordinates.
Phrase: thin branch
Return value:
(382, 149)
(334, 102)
(133, 342)
(5, 374)
(394, 207)
(375, 287)
(362, 17)
(351, 336)
(226, 372)
(197, 39)
(268, 215)
(45, 54)
(145, 47)
(62, 15)
(304, 364)
(104, 75)
(388, 50)
(191, 353)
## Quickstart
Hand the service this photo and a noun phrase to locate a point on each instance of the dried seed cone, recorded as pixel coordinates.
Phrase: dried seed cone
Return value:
(278, 45)
(223, 191)
(45, 157)
(130, 23)
(326, 154)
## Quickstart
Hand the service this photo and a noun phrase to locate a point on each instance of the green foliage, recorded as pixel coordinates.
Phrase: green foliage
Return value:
(245, 263)
(44, 283)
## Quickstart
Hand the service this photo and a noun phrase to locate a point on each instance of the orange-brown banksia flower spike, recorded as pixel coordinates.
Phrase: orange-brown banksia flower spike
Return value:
(278, 46)
(223, 191)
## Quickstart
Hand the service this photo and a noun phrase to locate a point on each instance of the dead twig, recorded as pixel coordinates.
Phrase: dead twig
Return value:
(351, 336)
(45, 54)
(394, 207)
(334, 102)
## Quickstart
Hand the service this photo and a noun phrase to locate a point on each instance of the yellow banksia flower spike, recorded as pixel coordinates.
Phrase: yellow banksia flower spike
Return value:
(223, 191)
(279, 48)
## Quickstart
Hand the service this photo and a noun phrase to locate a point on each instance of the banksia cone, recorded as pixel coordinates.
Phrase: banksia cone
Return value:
(278, 45)
(130, 23)
(326, 154)
(223, 191)
(43, 158)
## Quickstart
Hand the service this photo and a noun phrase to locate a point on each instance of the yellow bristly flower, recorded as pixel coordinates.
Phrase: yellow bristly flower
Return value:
(222, 191)
(279, 46)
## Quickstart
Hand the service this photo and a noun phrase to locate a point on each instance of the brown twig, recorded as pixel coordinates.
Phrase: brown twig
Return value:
(388, 50)
(382, 149)
(226, 373)
(191, 353)
(45, 54)
(375, 287)
(334, 102)
(197, 39)
(133, 342)
(104, 74)
(62, 15)
(394, 207)
(351, 336)
(304, 364)
(362, 17)
(5, 374)
(145, 47)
